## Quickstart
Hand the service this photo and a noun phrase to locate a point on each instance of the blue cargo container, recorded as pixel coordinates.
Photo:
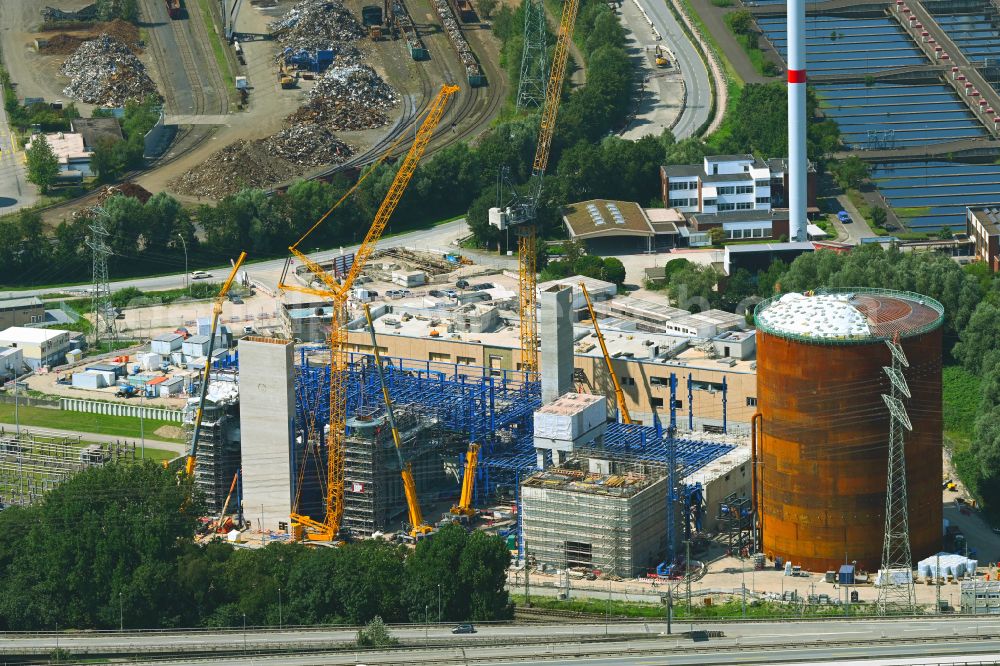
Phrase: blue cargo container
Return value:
(846, 575)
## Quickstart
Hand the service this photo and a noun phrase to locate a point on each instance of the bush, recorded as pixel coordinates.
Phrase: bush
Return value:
(376, 635)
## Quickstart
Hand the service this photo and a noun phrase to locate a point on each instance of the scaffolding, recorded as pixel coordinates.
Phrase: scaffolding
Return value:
(218, 442)
(32, 464)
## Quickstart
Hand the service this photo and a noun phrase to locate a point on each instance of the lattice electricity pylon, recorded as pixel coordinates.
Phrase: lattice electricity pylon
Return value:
(534, 58)
(896, 593)
(102, 308)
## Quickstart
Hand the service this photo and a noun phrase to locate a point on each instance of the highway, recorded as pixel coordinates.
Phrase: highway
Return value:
(15, 191)
(699, 90)
(626, 642)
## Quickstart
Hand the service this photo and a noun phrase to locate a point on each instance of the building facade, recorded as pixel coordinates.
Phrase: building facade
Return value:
(21, 312)
(39, 346)
(983, 225)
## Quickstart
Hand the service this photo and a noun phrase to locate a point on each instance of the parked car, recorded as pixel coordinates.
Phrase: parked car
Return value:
(436, 293)
(394, 293)
(236, 299)
(451, 293)
(844, 217)
(200, 275)
(462, 284)
(481, 287)
(464, 629)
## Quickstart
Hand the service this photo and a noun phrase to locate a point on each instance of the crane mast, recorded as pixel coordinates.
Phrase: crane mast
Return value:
(338, 292)
(418, 528)
(216, 312)
(522, 212)
(619, 394)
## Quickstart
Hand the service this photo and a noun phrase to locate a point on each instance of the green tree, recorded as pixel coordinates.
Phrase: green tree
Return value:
(850, 173)
(43, 165)
(614, 270)
(483, 570)
(741, 22)
(946, 233)
(691, 287)
(108, 531)
(375, 635)
(877, 215)
(986, 450)
(717, 236)
(590, 266)
(979, 337)
(108, 161)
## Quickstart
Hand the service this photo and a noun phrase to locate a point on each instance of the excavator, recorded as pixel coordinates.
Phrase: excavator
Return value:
(338, 291)
(619, 394)
(418, 528)
(464, 509)
(216, 312)
(661, 57)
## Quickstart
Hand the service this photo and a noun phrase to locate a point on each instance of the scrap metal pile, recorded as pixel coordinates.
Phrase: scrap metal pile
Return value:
(105, 72)
(457, 38)
(406, 26)
(346, 99)
(308, 145)
(315, 25)
(238, 166)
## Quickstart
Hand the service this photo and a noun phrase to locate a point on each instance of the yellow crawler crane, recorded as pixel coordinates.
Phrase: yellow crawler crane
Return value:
(338, 292)
(216, 312)
(619, 394)
(464, 506)
(418, 528)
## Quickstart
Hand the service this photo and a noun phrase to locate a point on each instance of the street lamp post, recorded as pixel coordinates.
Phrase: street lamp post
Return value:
(244, 633)
(17, 420)
(187, 276)
(121, 613)
(279, 608)
(439, 603)
(142, 423)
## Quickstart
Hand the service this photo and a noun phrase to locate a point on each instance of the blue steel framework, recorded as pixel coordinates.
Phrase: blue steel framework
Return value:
(495, 411)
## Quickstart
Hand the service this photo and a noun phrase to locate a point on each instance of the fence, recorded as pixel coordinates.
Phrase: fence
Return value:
(120, 409)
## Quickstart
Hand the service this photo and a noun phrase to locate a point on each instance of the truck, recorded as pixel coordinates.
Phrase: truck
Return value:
(126, 391)
(174, 9)
(661, 57)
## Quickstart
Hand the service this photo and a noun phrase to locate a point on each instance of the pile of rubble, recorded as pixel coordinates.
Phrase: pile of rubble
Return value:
(237, 166)
(337, 115)
(309, 145)
(345, 99)
(359, 84)
(456, 36)
(317, 24)
(64, 44)
(55, 15)
(105, 72)
(126, 189)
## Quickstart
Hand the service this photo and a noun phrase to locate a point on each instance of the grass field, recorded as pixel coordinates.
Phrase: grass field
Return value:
(728, 610)
(115, 426)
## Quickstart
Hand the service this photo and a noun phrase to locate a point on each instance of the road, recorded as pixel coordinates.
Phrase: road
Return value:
(858, 227)
(699, 90)
(15, 190)
(439, 236)
(755, 642)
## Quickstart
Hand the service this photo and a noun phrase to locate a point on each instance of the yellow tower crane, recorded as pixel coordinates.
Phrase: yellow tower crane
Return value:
(521, 213)
(418, 528)
(216, 312)
(338, 292)
(619, 394)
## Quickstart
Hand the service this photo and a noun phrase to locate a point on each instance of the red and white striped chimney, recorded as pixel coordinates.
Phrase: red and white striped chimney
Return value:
(797, 164)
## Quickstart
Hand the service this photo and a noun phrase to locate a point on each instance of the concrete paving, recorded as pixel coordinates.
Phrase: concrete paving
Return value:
(698, 103)
(662, 98)
(857, 229)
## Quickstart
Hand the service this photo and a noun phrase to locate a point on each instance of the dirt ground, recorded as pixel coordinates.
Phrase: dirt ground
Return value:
(35, 74)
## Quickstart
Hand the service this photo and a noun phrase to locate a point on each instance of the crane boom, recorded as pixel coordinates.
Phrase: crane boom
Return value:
(619, 394)
(417, 524)
(329, 528)
(527, 250)
(216, 312)
(464, 506)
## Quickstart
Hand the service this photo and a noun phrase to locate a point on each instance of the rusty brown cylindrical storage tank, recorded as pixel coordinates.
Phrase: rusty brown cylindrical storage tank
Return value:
(824, 433)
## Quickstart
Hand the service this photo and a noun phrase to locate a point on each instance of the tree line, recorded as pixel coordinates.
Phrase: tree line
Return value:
(112, 545)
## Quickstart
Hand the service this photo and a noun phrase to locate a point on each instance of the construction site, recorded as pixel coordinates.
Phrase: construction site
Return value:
(601, 434)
